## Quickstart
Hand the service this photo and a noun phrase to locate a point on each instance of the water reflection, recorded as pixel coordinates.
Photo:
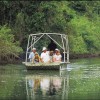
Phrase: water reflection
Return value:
(79, 81)
(12, 84)
(43, 85)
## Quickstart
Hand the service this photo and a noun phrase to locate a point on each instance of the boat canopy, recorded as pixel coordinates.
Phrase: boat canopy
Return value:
(34, 38)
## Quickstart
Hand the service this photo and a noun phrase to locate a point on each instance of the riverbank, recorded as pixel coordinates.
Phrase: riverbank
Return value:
(71, 56)
(77, 56)
(11, 62)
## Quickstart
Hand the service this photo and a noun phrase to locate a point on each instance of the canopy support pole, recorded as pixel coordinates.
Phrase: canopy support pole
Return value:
(36, 37)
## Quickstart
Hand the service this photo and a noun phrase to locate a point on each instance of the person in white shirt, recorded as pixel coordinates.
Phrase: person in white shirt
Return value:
(57, 56)
(32, 54)
(45, 56)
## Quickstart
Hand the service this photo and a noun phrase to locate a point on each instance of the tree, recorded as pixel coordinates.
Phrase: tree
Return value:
(8, 47)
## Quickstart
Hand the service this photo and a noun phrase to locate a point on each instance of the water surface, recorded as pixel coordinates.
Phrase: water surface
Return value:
(79, 81)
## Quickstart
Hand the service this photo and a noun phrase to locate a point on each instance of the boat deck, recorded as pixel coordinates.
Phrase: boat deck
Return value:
(42, 66)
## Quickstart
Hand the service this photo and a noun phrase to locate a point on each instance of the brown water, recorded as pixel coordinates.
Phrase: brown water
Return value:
(79, 81)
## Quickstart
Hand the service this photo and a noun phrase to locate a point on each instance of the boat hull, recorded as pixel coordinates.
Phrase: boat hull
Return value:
(42, 66)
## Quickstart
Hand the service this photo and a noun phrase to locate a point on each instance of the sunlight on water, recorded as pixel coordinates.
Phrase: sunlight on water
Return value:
(80, 80)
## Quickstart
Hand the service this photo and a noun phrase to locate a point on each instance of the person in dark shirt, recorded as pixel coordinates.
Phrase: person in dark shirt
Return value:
(52, 46)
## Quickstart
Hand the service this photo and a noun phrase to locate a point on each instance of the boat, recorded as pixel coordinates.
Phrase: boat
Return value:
(34, 38)
(44, 66)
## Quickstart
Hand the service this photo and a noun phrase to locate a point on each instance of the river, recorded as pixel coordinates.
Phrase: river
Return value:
(79, 81)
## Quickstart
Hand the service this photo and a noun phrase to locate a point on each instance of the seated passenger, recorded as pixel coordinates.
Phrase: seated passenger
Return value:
(57, 56)
(45, 55)
(36, 58)
(31, 55)
(51, 56)
(56, 51)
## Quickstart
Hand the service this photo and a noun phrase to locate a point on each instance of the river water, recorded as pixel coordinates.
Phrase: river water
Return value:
(79, 81)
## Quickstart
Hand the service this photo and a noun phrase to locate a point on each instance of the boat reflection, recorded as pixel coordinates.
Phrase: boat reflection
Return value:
(43, 85)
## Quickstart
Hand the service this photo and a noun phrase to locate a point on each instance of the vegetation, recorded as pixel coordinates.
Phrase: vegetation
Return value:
(78, 19)
(9, 48)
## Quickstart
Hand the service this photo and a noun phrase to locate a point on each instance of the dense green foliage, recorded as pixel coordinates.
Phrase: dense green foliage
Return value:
(78, 19)
(8, 47)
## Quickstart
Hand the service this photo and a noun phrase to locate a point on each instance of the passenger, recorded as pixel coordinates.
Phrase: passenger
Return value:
(56, 51)
(31, 55)
(51, 56)
(45, 55)
(52, 46)
(57, 56)
(36, 58)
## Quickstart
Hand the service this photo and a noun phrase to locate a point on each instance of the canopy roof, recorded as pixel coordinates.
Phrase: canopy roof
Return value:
(34, 38)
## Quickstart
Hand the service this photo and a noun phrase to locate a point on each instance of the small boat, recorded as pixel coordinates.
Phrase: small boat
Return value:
(34, 38)
(42, 66)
